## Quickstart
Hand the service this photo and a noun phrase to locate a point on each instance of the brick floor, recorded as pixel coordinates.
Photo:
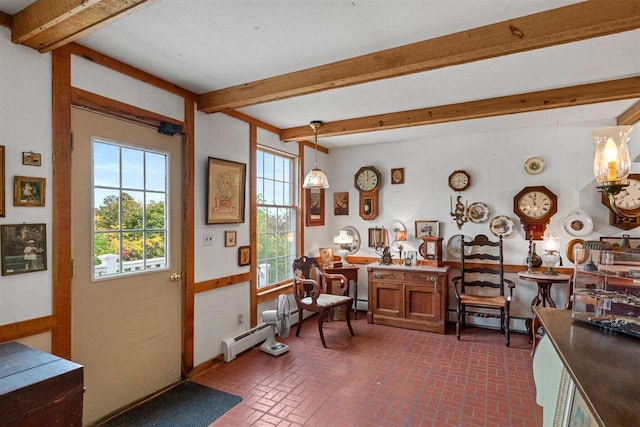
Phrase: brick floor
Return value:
(383, 376)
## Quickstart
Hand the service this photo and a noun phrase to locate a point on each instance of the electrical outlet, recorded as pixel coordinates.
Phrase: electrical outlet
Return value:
(240, 318)
(207, 238)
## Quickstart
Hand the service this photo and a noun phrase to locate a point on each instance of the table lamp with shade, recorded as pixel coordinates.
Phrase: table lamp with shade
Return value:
(551, 245)
(344, 241)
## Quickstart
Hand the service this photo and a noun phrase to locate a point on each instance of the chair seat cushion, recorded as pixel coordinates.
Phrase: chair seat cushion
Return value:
(328, 300)
(489, 301)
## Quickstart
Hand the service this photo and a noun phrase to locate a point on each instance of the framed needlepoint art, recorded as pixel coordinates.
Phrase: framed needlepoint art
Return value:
(225, 197)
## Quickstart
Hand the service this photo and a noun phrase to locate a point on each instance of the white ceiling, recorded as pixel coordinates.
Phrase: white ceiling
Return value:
(204, 45)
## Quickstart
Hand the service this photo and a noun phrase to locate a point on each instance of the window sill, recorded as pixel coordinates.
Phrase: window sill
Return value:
(274, 292)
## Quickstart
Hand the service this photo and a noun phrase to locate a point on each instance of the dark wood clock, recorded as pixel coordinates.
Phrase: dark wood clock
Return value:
(535, 206)
(432, 251)
(367, 181)
(627, 202)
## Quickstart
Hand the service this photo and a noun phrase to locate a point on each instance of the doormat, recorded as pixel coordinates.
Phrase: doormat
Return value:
(187, 404)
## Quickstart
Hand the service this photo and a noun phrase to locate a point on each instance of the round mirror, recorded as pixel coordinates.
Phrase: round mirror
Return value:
(355, 245)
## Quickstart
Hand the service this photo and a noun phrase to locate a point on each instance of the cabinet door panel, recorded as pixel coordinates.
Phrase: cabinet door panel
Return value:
(388, 299)
(423, 303)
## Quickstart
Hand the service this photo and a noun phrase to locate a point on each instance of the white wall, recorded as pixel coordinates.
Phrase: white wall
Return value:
(25, 120)
(216, 311)
(495, 162)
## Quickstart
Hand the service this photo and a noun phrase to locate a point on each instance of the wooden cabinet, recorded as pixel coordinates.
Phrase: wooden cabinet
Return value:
(408, 297)
(38, 389)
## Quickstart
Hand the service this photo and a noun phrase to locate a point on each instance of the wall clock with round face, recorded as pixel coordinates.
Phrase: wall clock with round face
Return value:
(628, 202)
(367, 178)
(459, 180)
(535, 206)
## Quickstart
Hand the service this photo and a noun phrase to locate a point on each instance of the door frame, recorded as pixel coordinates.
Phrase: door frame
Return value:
(63, 97)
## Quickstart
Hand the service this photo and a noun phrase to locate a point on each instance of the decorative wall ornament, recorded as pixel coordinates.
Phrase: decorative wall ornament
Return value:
(459, 214)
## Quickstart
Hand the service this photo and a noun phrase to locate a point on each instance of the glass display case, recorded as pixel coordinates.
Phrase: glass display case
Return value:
(606, 289)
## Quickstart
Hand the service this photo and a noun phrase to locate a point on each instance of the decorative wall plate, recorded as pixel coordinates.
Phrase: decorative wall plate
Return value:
(578, 224)
(534, 165)
(453, 245)
(478, 212)
(501, 225)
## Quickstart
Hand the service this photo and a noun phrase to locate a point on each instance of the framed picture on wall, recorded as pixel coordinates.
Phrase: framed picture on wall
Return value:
(230, 238)
(24, 248)
(314, 206)
(326, 256)
(225, 195)
(244, 255)
(427, 228)
(28, 191)
(341, 203)
(30, 158)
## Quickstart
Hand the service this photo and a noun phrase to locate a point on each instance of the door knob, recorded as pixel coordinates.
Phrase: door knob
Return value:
(175, 277)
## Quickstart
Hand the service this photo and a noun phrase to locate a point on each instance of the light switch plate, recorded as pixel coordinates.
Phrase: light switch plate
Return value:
(207, 238)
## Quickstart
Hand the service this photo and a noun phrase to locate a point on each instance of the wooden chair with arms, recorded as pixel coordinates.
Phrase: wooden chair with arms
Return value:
(309, 290)
(480, 288)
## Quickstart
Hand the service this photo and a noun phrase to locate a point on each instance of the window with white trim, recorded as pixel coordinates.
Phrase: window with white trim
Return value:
(130, 226)
(276, 217)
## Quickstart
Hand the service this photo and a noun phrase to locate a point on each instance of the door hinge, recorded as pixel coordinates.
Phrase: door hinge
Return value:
(73, 267)
(71, 141)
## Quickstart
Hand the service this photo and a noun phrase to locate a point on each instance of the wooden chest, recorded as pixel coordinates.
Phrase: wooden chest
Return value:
(38, 388)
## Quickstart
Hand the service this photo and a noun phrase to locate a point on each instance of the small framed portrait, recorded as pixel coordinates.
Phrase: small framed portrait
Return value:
(244, 255)
(230, 238)
(397, 176)
(326, 256)
(427, 228)
(341, 203)
(28, 191)
(30, 158)
(24, 248)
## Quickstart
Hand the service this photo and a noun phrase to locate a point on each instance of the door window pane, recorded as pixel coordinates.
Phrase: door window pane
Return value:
(130, 220)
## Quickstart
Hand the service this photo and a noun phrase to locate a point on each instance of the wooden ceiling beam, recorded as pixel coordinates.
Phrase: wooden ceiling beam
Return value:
(613, 90)
(567, 24)
(47, 24)
(5, 20)
(631, 116)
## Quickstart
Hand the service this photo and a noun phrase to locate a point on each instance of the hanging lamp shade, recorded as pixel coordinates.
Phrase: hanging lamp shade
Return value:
(315, 178)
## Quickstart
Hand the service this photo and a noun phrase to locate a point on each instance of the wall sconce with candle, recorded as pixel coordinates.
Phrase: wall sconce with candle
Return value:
(611, 164)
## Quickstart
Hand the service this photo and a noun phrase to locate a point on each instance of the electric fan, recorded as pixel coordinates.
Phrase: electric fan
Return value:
(280, 321)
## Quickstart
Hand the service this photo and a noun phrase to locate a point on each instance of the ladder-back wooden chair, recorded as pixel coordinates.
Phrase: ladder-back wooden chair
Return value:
(310, 292)
(480, 288)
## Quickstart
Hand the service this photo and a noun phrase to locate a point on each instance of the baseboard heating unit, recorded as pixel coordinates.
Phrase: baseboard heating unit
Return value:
(233, 346)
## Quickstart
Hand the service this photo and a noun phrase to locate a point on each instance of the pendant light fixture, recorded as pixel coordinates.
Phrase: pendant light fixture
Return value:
(316, 178)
